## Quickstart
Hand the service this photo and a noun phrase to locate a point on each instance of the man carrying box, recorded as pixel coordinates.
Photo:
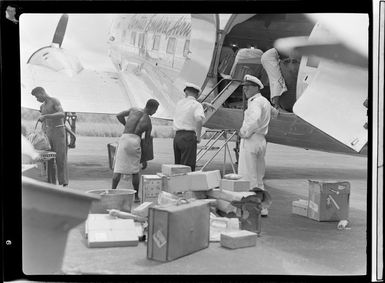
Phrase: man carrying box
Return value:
(188, 120)
(128, 153)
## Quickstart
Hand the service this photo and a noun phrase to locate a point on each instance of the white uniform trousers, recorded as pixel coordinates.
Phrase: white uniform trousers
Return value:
(252, 160)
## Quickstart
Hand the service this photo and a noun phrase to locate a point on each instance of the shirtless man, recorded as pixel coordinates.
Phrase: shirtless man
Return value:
(128, 153)
(52, 117)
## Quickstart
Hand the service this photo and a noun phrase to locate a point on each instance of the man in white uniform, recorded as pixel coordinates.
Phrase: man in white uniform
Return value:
(188, 120)
(253, 131)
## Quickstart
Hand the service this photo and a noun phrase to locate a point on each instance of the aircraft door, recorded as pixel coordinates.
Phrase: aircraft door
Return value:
(331, 96)
(333, 102)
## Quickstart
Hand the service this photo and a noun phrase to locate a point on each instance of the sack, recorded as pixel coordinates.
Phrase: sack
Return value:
(147, 150)
(39, 139)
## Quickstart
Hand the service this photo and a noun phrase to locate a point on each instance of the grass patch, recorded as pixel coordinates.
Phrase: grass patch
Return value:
(101, 125)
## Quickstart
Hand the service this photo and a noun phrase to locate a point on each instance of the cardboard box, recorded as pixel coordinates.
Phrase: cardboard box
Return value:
(102, 230)
(149, 188)
(175, 169)
(300, 207)
(177, 230)
(235, 185)
(328, 200)
(205, 180)
(238, 239)
(176, 183)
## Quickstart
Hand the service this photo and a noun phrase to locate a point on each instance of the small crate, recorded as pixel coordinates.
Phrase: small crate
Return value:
(149, 188)
(238, 239)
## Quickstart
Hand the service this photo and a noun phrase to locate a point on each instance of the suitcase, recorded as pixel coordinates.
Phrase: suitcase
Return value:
(177, 230)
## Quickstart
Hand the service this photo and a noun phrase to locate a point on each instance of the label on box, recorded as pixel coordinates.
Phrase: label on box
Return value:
(313, 206)
(159, 239)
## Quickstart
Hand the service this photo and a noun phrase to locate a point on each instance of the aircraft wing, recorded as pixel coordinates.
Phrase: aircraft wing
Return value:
(88, 91)
(333, 80)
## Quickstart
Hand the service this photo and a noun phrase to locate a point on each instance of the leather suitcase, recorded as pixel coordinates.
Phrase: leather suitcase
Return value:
(177, 230)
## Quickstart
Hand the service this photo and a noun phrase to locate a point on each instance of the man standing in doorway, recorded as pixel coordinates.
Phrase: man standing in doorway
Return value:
(188, 120)
(128, 153)
(52, 117)
(253, 131)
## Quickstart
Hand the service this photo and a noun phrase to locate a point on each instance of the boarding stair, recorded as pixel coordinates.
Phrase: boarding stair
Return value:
(211, 106)
(211, 103)
(219, 137)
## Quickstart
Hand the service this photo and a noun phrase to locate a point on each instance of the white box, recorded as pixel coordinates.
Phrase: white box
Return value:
(149, 188)
(238, 239)
(175, 169)
(176, 183)
(300, 207)
(235, 185)
(205, 180)
(102, 230)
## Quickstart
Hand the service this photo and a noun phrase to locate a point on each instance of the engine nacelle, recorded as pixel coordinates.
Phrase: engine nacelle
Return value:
(56, 59)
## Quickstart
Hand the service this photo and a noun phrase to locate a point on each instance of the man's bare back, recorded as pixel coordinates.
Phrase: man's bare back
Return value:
(137, 122)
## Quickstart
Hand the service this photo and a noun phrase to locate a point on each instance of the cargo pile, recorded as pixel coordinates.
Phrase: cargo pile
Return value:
(181, 212)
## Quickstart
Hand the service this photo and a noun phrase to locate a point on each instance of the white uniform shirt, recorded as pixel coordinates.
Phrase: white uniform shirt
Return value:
(188, 112)
(257, 116)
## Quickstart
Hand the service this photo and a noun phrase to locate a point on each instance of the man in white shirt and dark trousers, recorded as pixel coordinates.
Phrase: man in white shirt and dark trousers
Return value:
(253, 131)
(188, 120)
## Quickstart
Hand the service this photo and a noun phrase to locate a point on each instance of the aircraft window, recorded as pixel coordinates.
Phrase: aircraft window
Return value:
(156, 44)
(124, 35)
(171, 45)
(141, 40)
(133, 38)
(312, 62)
(186, 48)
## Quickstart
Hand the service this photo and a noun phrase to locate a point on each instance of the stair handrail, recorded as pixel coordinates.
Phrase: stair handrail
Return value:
(217, 137)
(214, 87)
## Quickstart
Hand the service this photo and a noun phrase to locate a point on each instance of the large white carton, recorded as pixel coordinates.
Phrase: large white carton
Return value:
(205, 180)
(102, 230)
(175, 169)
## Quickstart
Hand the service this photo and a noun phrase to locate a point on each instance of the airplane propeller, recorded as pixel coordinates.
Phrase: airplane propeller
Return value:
(60, 30)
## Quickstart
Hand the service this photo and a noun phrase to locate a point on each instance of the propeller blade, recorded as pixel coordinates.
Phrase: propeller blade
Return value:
(60, 30)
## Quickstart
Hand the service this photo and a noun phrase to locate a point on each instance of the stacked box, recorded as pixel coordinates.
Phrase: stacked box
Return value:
(235, 185)
(102, 230)
(238, 239)
(300, 207)
(177, 230)
(176, 183)
(149, 188)
(175, 169)
(328, 200)
(205, 180)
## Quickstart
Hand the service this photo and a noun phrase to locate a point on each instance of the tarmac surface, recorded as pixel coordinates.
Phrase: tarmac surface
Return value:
(289, 244)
